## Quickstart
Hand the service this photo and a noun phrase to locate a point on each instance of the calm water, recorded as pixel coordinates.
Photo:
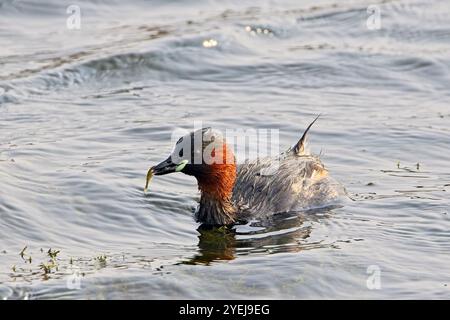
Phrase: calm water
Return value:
(84, 113)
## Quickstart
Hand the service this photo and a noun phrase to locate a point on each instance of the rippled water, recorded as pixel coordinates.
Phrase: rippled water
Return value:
(84, 113)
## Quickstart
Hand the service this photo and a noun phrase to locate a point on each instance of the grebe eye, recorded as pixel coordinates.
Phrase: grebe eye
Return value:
(180, 154)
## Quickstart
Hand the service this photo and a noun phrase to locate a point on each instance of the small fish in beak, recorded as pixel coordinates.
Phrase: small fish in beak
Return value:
(149, 177)
(165, 167)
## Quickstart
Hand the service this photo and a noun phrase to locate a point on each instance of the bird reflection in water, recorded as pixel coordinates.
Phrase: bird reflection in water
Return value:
(287, 232)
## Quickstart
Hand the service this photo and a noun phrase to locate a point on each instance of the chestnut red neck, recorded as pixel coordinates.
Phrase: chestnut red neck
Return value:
(216, 182)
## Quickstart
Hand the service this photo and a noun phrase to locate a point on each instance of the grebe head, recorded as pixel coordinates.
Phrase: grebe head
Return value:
(205, 155)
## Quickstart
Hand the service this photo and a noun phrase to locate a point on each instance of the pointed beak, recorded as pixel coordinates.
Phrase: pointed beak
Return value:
(165, 167)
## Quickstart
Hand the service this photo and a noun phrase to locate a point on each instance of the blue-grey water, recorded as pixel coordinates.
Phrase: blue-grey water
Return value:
(85, 112)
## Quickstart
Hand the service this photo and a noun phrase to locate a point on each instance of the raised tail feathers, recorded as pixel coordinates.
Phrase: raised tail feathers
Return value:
(299, 148)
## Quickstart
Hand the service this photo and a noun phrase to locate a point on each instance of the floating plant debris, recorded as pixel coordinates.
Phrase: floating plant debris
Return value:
(52, 254)
(22, 253)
